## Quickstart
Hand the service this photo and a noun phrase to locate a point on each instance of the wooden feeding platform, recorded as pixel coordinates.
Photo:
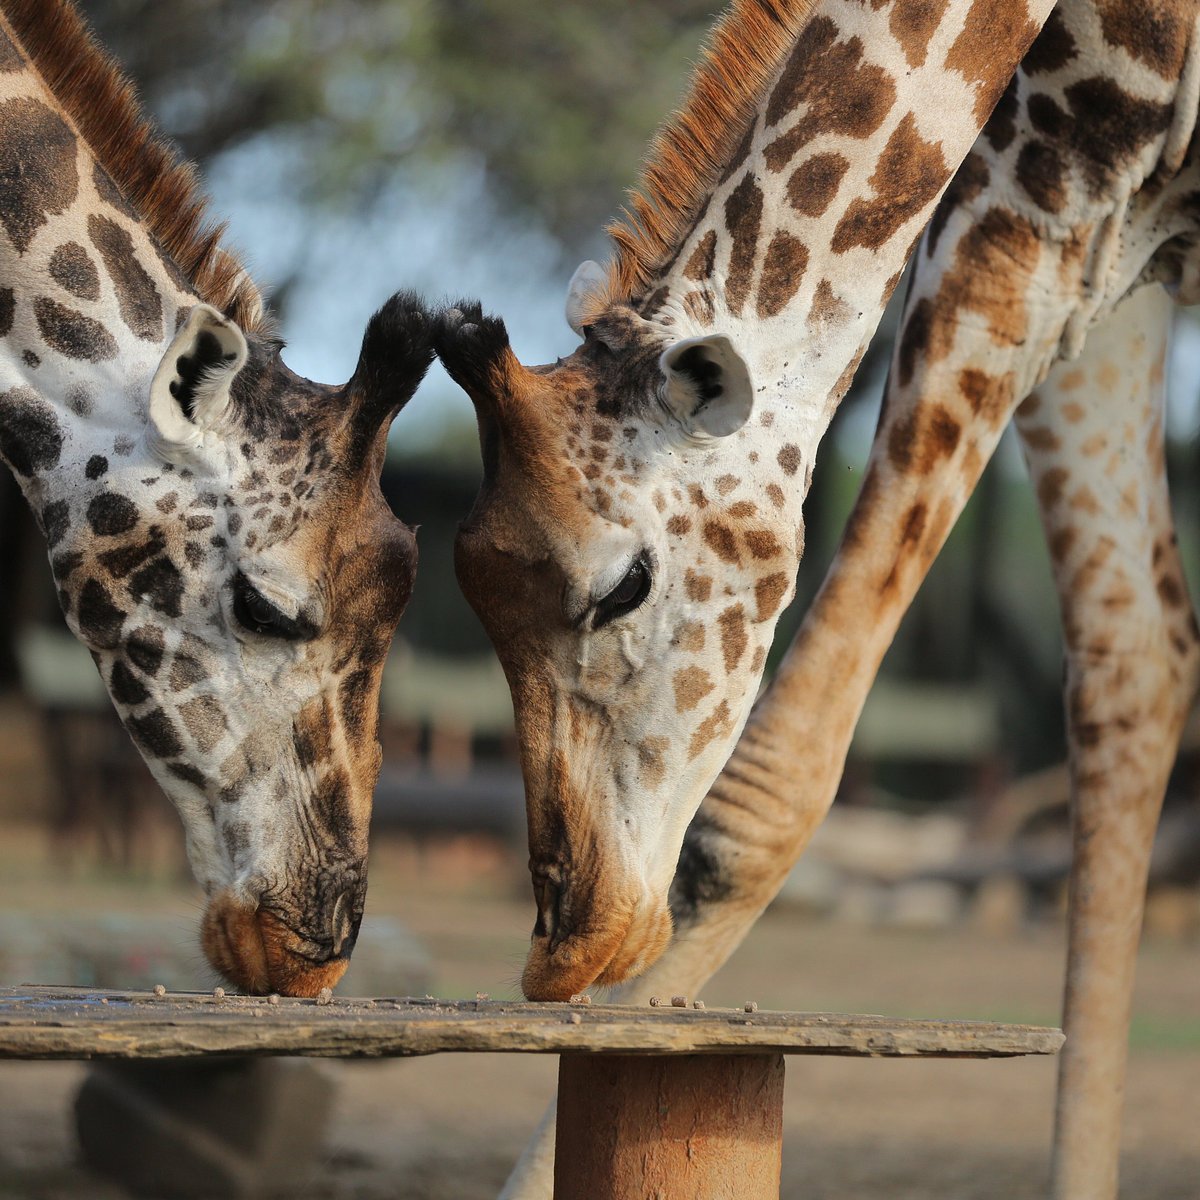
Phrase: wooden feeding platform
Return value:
(680, 1102)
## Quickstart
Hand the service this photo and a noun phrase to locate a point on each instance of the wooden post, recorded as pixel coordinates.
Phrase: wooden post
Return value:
(678, 1127)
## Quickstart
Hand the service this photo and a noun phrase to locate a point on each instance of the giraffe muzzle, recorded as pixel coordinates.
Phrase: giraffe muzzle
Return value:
(257, 952)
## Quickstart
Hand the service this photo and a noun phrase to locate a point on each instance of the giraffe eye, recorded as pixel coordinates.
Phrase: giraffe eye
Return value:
(629, 594)
(257, 614)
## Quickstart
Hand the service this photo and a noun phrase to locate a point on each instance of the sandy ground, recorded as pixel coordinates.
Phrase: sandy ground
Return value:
(448, 1128)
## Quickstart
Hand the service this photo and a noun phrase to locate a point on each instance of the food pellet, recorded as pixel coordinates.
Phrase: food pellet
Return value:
(482, 996)
(751, 1006)
(325, 996)
(575, 1018)
(697, 1003)
(272, 999)
(655, 1002)
(581, 998)
(679, 1002)
(219, 993)
(159, 990)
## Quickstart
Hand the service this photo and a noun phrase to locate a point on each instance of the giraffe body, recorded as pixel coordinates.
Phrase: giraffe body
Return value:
(214, 522)
(1076, 202)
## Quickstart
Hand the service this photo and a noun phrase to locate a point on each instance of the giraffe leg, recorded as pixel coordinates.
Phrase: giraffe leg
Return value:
(1093, 436)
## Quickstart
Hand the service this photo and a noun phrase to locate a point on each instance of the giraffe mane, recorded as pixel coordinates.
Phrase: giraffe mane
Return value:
(691, 149)
(160, 186)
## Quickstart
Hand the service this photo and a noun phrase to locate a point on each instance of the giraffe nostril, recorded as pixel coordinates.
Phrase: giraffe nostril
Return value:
(341, 925)
(548, 897)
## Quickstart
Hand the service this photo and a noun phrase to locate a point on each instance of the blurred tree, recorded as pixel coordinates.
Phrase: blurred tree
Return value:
(557, 100)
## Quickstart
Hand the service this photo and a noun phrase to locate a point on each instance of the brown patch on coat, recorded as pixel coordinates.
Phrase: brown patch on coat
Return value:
(71, 333)
(10, 56)
(722, 542)
(814, 183)
(716, 724)
(989, 396)
(698, 587)
(969, 182)
(726, 484)
(913, 23)
(38, 175)
(700, 265)
(909, 174)
(762, 543)
(1052, 49)
(137, 297)
(734, 637)
(204, 719)
(783, 271)
(689, 636)
(826, 307)
(679, 525)
(1155, 34)
(691, 685)
(841, 93)
(1050, 487)
(651, 760)
(789, 459)
(72, 269)
(743, 219)
(917, 440)
(769, 592)
(1041, 173)
(742, 509)
(991, 23)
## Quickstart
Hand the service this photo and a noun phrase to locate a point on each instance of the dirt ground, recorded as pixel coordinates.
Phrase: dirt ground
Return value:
(449, 1127)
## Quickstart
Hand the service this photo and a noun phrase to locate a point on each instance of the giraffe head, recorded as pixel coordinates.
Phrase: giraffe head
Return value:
(628, 560)
(215, 524)
(238, 577)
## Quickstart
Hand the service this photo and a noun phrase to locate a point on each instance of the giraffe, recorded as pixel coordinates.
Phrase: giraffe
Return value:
(214, 522)
(1066, 216)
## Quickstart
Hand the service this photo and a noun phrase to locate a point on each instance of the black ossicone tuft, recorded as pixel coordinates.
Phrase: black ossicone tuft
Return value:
(470, 346)
(396, 352)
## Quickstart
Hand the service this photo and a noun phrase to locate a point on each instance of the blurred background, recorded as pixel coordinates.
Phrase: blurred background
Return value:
(476, 147)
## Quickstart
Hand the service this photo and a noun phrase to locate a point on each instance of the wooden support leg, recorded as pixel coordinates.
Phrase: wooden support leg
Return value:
(677, 1127)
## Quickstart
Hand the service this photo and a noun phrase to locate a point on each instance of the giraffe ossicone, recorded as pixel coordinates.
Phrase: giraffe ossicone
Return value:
(215, 525)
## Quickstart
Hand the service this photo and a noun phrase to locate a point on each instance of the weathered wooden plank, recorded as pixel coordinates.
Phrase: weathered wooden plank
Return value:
(45, 1022)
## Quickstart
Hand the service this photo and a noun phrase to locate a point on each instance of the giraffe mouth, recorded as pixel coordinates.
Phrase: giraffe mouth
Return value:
(256, 952)
(608, 939)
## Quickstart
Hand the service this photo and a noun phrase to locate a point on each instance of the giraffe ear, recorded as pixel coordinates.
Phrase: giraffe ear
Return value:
(190, 391)
(706, 386)
(589, 277)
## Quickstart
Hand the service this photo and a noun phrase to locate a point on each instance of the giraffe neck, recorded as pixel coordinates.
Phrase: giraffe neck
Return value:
(799, 246)
(89, 301)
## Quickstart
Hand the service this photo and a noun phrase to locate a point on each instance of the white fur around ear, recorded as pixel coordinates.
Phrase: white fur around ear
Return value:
(189, 394)
(706, 386)
(589, 276)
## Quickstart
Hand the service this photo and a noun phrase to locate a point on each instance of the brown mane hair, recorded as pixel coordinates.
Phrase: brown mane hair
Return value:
(159, 185)
(689, 152)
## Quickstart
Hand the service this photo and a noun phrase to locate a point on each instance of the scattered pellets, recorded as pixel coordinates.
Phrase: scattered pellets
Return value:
(655, 1002)
(697, 1003)
(581, 998)
(751, 1006)
(575, 1018)
(679, 1002)
(159, 990)
(273, 998)
(218, 993)
(325, 996)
